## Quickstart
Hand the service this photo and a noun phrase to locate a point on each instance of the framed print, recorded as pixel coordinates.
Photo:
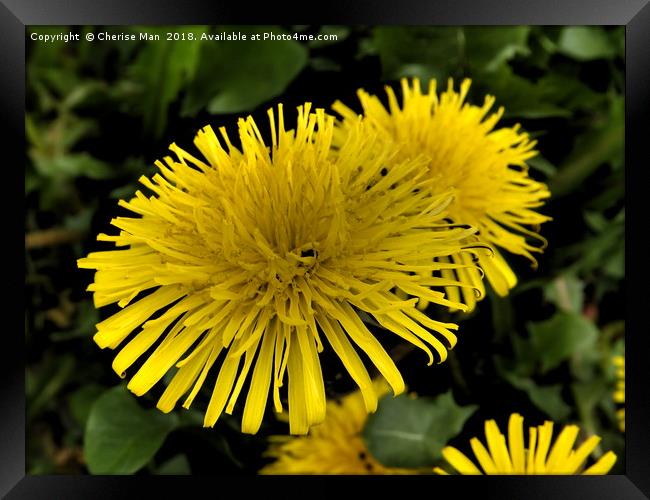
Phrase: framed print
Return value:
(398, 245)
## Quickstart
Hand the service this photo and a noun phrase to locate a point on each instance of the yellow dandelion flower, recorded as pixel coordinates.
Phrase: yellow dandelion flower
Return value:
(248, 258)
(515, 458)
(486, 167)
(335, 446)
(619, 393)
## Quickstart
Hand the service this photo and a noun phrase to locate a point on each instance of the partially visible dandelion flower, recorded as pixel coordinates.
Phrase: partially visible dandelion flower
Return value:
(515, 458)
(252, 255)
(335, 446)
(619, 393)
(486, 166)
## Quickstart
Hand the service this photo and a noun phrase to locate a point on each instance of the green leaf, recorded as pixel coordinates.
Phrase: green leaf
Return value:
(567, 91)
(45, 380)
(547, 398)
(615, 265)
(422, 52)
(120, 436)
(236, 76)
(602, 253)
(558, 338)
(341, 33)
(175, 466)
(489, 47)
(162, 69)
(324, 64)
(519, 96)
(72, 165)
(81, 401)
(32, 181)
(85, 93)
(585, 43)
(601, 144)
(596, 221)
(566, 292)
(411, 432)
(588, 395)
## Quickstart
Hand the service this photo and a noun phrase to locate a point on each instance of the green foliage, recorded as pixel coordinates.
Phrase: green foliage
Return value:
(81, 401)
(249, 73)
(601, 253)
(418, 52)
(585, 43)
(488, 50)
(411, 432)
(175, 466)
(121, 437)
(567, 293)
(547, 398)
(558, 338)
(44, 382)
(161, 69)
(484, 53)
(600, 144)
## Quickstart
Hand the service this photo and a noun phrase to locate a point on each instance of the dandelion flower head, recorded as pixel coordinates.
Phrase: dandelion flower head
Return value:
(335, 446)
(539, 457)
(485, 165)
(259, 256)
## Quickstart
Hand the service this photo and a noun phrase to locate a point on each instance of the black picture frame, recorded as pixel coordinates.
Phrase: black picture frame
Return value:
(16, 15)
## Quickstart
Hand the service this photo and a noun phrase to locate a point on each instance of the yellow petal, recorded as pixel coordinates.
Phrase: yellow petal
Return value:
(603, 466)
(459, 461)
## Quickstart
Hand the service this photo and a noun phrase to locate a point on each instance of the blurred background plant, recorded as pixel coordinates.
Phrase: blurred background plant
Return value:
(99, 114)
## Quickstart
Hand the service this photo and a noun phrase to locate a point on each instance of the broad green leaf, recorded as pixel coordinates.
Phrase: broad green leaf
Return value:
(411, 432)
(566, 292)
(236, 76)
(585, 43)
(120, 436)
(162, 69)
(487, 48)
(422, 52)
(560, 337)
(547, 398)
